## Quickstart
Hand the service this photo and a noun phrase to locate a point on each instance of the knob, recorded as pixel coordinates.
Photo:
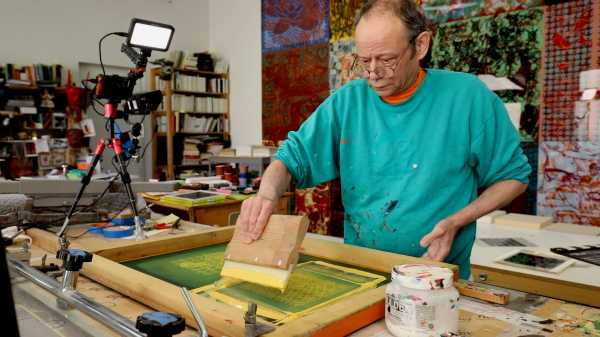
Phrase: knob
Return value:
(160, 324)
(74, 259)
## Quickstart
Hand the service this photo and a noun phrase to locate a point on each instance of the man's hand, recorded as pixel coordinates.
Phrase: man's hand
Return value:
(254, 214)
(439, 240)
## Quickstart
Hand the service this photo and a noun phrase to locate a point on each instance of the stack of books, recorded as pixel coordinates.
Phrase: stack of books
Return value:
(191, 124)
(191, 151)
(41, 75)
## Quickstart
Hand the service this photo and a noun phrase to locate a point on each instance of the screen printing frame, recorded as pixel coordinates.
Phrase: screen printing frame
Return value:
(565, 261)
(336, 319)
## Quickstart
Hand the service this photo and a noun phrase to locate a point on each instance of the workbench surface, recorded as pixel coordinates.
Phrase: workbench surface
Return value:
(522, 316)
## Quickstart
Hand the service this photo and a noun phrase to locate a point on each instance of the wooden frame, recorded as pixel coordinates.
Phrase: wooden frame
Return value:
(337, 319)
(564, 290)
(214, 214)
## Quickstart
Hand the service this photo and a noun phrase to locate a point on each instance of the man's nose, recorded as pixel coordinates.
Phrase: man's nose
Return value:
(373, 75)
(372, 65)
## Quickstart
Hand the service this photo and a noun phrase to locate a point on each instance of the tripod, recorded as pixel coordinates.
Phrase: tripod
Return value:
(111, 113)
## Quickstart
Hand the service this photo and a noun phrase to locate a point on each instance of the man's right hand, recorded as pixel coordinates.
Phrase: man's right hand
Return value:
(253, 217)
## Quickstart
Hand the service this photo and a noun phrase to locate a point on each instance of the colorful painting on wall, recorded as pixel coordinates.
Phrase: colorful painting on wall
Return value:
(569, 182)
(295, 82)
(294, 23)
(323, 207)
(340, 63)
(441, 11)
(568, 36)
(343, 14)
(507, 45)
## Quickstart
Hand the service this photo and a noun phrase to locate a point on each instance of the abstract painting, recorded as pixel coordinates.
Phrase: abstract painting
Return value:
(568, 42)
(294, 23)
(323, 206)
(343, 14)
(507, 45)
(294, 82)
(441, 11)
(569, 182)
(340, 63)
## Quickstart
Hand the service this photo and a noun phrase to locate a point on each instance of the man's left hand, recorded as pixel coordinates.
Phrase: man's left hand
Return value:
(439, 240)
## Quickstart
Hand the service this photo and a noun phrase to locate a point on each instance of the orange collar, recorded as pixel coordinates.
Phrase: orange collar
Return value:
(404, 96)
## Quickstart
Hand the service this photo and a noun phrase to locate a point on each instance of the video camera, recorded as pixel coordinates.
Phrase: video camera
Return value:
(146, 36)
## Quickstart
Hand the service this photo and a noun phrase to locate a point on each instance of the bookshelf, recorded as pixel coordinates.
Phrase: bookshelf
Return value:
(194, 113)
(33, 120)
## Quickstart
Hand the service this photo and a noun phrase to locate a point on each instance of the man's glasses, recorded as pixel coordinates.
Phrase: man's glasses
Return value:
(384, 66)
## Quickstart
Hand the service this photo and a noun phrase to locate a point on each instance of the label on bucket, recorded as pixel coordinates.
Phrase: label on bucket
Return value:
(409, 313)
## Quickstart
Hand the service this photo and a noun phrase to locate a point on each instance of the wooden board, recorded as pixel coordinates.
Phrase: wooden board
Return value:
(489, 218)
(96, 242)
(340, 317)
(523, 220)
(573, 229)
(466, 288)
(569, 291)
(276, 248)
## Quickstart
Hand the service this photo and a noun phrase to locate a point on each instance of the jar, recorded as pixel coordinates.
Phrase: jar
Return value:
(421, 301)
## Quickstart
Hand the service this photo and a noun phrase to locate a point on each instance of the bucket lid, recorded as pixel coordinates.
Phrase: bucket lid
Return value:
(422, 276)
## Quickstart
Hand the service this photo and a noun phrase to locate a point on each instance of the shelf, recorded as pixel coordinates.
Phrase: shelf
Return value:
(200, 73)
(44, 129)
(200, 94)
(191, 165)
(33, 88)
(200, 133)
(201, 113)
(174, 139)
(164, 134)
(164, 113)
(17, 141)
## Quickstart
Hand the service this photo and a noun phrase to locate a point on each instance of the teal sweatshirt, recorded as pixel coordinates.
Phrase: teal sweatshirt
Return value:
(405, 167)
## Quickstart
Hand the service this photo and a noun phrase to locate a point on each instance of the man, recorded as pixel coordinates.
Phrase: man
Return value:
(412, 147)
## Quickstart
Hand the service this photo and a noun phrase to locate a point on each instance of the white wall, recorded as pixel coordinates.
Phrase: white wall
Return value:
(67, 31)
(235, 34)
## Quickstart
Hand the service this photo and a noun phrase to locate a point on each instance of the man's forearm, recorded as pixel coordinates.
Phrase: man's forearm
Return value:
(274, 181)
(498, 195)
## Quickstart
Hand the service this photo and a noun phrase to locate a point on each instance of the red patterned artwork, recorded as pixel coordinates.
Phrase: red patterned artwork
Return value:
(568, 36)
(322, 205)
(294, 83)
(569, 182)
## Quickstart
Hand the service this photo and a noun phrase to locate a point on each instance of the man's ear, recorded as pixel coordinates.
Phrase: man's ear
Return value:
(422, 44)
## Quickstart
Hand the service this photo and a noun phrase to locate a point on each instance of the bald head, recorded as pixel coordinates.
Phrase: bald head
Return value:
(407, 11)
(391, 39)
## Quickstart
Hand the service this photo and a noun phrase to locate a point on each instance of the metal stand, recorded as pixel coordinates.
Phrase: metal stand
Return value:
(111, 113)
(74, 299)
(73, 260)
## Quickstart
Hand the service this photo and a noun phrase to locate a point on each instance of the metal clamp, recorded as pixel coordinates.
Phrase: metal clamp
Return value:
(254, 329)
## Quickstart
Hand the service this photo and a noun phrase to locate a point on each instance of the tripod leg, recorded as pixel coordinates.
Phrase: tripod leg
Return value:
(63, 242)
(126, 179)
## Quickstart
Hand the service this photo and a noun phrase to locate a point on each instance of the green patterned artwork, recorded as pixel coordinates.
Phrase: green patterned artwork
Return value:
(193, 268)
(311, 285)
(507, 45)
(306, 289)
